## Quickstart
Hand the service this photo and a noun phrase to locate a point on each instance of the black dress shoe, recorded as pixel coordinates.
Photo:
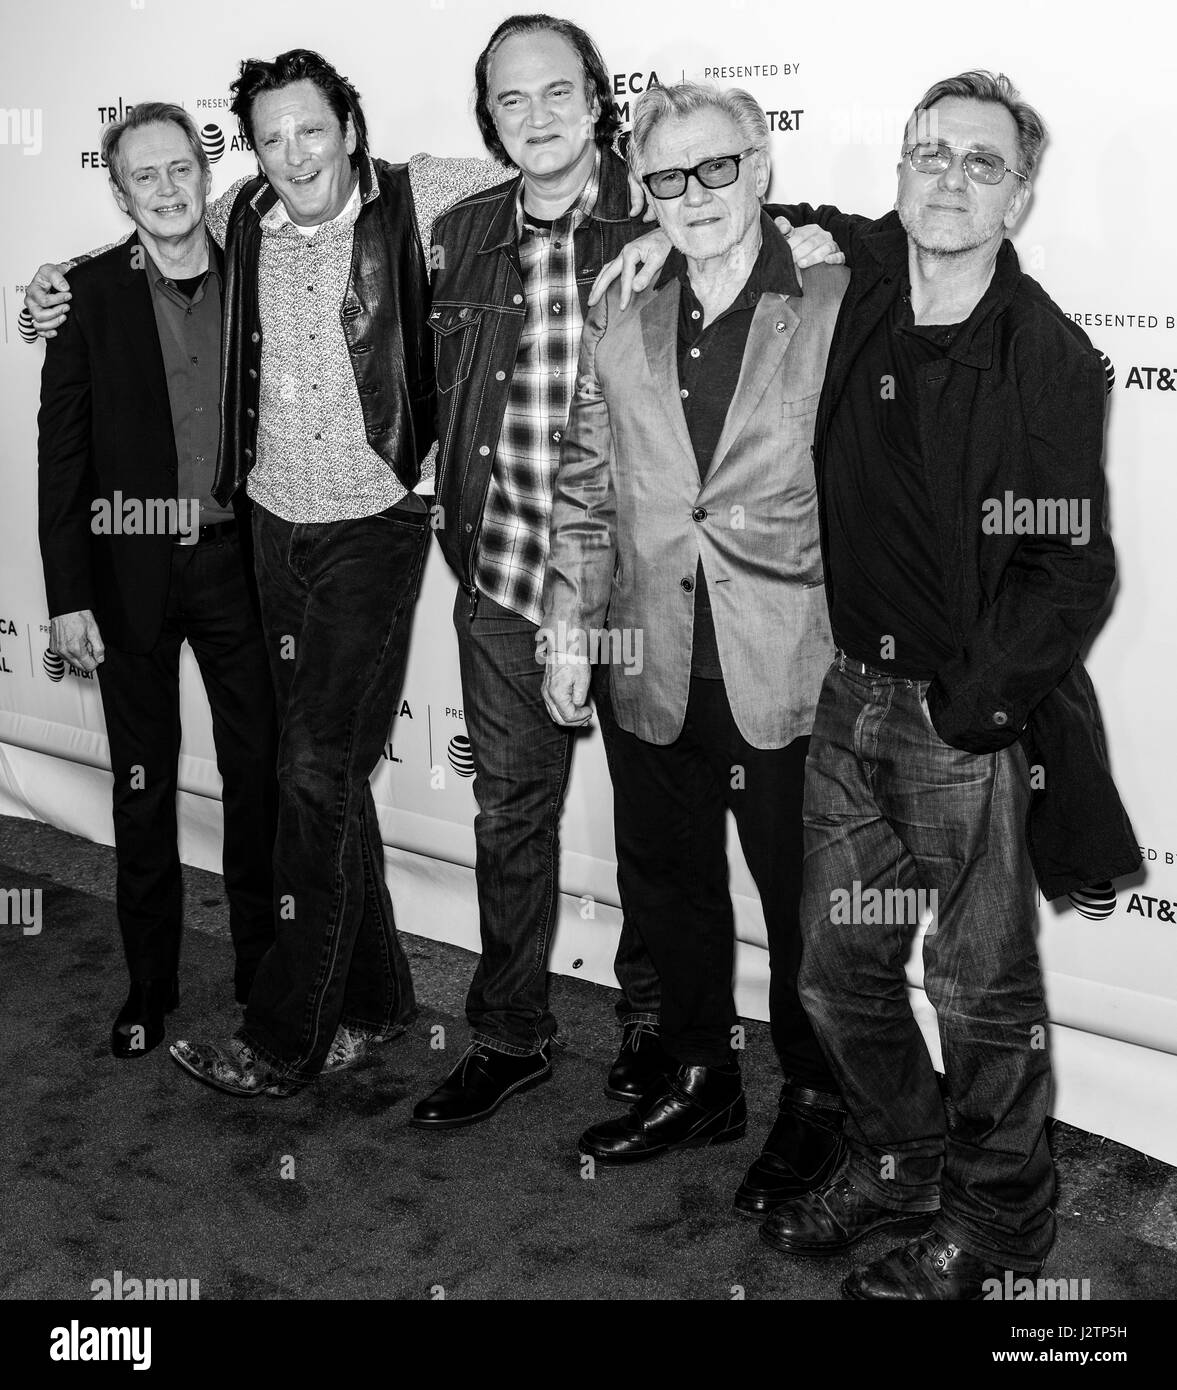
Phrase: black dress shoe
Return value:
(691, 1107)
(928, 1270)
(478, 1085)
(640, 1062)
(833, 1218)
(804, 1149)
(139, 1026)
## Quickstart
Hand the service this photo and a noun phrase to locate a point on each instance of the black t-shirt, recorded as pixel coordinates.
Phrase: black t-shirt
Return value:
(887, 583)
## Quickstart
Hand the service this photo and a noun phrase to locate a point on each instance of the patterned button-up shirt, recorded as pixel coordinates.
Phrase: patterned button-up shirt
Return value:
(314, 462)
(513, 541)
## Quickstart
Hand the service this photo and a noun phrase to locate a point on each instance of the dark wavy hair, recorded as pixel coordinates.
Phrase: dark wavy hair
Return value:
(298, 65)
(596, 77)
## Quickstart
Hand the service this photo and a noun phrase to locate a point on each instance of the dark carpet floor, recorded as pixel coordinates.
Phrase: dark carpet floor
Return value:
(131, 1166)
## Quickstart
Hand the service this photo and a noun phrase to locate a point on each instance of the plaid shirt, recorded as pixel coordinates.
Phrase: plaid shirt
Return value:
(513, 542)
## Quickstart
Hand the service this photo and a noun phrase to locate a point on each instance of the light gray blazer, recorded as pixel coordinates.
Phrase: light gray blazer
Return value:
(627, 523)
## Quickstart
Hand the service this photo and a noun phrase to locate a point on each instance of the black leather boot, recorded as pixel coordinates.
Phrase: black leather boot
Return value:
(691, 1107)
(140, 1024)
(804, 1149)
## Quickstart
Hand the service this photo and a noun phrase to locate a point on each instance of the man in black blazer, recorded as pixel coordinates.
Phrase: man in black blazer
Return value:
(138, 557)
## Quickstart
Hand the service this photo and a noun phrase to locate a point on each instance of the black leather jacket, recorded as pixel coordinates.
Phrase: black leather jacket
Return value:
(1016, 405)
(477, 319)
(385, 318)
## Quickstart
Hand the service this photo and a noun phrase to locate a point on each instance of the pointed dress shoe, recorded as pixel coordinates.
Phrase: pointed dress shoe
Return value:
(928, 1270)
(140, 1024)
(804, 1150)
(640, 1062)
(834, 1218)
(692, 1106)
(478, 1085)
(232, 1067)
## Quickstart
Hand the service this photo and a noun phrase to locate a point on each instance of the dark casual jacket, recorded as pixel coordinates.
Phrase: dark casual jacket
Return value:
(1016, 405)
(477, 318)
(385, 317)
(105, 427)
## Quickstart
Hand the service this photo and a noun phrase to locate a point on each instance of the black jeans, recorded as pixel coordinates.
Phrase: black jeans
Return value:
(337, 606)
(521, 762)
(901, 827)
(670, 813)
(209, 604)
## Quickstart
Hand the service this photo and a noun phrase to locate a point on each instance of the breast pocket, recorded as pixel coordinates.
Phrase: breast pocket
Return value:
(456, 329)
(798, 409)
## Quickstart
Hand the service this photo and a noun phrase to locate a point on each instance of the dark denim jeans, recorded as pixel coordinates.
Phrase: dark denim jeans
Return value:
(521, 763)
(337, 606)
(211, 605)
(890, 806)
(670, 812)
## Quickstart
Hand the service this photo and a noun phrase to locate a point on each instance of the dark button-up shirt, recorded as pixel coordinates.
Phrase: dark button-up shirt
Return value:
(190, 340)
(709, 363)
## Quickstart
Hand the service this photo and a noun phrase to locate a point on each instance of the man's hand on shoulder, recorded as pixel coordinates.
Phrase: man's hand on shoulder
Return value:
(811, 245)
(648, 252)
(47, 297)
(75, 636)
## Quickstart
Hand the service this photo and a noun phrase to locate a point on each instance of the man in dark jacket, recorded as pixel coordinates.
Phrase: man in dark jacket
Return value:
(515, 264)
(139, 557)
(958, 747)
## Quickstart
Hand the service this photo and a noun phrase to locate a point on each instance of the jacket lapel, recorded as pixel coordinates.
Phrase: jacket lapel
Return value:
(137, 316)
(660, 338)
(773, 325)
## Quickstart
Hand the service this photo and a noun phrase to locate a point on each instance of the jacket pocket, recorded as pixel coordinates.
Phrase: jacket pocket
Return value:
(456, 329)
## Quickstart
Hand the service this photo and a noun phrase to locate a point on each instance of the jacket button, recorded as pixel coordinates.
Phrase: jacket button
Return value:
(500, 376)
(250, 413)
(1000, 718)
(517, 299)
(484, 449)
(249, 453)
(700, 514)
(255, 337)
(253, 374)
(687, 585)
(469, 528)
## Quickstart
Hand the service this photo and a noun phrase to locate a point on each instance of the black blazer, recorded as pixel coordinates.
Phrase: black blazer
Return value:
(105, 426)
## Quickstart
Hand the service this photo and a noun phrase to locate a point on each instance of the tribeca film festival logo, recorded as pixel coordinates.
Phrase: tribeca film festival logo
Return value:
(21, 907)
(20, 127)
(212, 137)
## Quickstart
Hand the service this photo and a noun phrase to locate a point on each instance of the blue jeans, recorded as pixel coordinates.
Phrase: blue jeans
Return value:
(521, 763)
(890, 806)
(337, 604)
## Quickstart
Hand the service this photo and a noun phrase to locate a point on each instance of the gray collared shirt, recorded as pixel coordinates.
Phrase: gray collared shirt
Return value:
(190, 340)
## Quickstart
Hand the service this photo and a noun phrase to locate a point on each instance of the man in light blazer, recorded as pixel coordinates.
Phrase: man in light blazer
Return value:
(685, 513)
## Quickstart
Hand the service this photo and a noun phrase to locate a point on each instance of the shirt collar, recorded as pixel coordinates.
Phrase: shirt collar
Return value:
(272, 211)
(773, 271)
(160, 278)
(581, 209)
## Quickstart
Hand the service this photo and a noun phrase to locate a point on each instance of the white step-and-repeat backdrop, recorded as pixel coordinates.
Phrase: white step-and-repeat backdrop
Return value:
(838, 84)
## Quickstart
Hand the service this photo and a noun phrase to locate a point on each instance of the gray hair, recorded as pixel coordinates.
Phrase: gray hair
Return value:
(980, 85)
(149, 113)
(683, 99)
